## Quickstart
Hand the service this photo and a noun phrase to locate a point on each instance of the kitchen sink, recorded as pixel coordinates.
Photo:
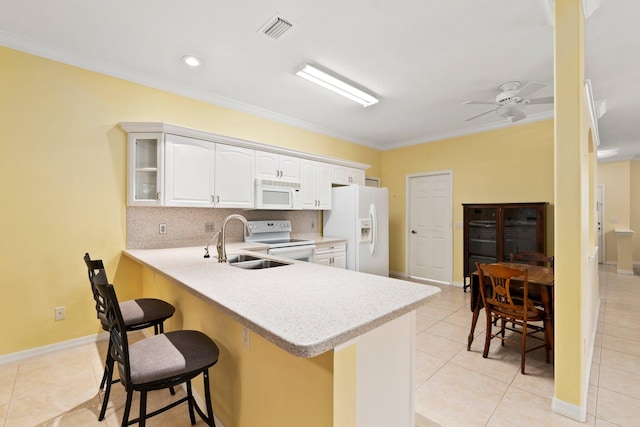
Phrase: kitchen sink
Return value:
(232, 259)
(250, 262)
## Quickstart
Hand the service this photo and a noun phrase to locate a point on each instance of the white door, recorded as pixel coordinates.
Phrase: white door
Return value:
(430, 232)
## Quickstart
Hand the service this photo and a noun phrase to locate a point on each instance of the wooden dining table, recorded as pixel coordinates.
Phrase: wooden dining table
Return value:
(540, 285)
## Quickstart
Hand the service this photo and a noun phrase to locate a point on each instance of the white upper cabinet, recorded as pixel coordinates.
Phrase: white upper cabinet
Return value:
(189, 172)
(234, 177)
(344, 175)
(315, 183)
(201, 173)
(145, 186)
(170, 165)
(277, 167)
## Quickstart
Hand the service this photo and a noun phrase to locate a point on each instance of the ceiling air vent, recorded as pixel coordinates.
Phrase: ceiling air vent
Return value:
(276, 27)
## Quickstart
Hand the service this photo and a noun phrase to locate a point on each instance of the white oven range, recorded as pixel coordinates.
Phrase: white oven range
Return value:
(277, 234)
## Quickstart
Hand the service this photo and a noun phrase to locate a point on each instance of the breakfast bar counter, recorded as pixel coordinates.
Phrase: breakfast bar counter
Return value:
(301, 344)
(303, 308)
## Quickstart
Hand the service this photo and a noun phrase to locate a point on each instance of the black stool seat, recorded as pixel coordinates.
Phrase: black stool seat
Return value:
(169, 355)
(142, 313)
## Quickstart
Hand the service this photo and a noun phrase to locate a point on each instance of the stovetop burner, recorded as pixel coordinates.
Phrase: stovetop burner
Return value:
(274, 233)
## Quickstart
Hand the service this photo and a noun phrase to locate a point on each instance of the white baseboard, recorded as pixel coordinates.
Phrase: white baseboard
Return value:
(401, 275)
(52, 348)
(398, 275)
(575, 412)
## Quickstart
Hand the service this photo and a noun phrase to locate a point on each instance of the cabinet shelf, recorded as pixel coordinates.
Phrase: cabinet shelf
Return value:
(492, 231)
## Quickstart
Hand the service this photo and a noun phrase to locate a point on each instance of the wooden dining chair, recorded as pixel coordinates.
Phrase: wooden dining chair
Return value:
(497, 283)
(532, 258)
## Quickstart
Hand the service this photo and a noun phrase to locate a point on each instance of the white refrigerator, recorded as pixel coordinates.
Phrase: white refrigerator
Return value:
(361, 214)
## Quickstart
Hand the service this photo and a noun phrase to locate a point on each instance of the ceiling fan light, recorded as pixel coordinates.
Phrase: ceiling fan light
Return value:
(336, 85)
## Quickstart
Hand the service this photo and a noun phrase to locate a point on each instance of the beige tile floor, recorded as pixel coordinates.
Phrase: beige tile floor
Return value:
(454, 387)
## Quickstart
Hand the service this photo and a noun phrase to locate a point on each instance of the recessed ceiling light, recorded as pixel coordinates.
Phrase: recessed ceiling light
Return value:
(191, 60)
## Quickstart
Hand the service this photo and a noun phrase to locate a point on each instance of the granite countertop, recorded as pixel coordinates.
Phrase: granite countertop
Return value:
(305, 309)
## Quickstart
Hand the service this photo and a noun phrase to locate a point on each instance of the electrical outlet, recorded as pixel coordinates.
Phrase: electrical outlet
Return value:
(163, 228)
(209, 227)
(245, 337)
(59, 313)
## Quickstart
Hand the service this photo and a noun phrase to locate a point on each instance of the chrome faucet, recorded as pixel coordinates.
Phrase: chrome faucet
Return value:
(222, 251)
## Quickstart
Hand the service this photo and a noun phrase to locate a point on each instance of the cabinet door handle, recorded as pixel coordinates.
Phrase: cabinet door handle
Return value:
(158, 195)
(217, 199)
(414, 232)
(212, 198)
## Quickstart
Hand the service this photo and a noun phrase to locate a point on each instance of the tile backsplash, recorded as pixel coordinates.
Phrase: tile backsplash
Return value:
(186, 226)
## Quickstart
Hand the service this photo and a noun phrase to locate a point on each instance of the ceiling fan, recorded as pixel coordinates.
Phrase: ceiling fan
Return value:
(512, 99)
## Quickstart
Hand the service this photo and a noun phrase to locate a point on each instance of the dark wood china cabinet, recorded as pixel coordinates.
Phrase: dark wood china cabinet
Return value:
(492, 231)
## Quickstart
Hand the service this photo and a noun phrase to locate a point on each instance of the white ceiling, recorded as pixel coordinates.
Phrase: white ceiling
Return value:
(422, 58)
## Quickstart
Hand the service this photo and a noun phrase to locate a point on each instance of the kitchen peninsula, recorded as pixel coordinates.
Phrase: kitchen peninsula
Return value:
(301, 344)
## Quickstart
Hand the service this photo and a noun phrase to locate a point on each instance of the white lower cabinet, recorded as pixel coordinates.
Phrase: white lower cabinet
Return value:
(332, 254)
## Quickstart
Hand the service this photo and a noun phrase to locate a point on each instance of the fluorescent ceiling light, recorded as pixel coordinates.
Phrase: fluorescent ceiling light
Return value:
(603, 154)
(338, 86)
(191, 60)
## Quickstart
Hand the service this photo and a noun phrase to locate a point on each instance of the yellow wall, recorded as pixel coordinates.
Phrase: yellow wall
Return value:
(616, 178)
(513, 164)
(576, 296)
(63, 174)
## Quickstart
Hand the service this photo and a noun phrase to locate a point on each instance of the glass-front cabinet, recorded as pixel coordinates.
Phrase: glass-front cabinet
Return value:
(145, 165)
(493, 231)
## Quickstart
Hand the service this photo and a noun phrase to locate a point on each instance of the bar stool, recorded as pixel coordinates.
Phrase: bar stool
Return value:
(136, 314)
(157, 362)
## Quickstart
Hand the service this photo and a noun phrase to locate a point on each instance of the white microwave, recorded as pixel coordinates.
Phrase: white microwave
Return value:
(278, 194)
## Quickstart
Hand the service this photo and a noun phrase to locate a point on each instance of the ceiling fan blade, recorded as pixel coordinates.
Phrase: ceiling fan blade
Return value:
(480, 115)
(529, 89)
(479, 102)
(543, 100)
